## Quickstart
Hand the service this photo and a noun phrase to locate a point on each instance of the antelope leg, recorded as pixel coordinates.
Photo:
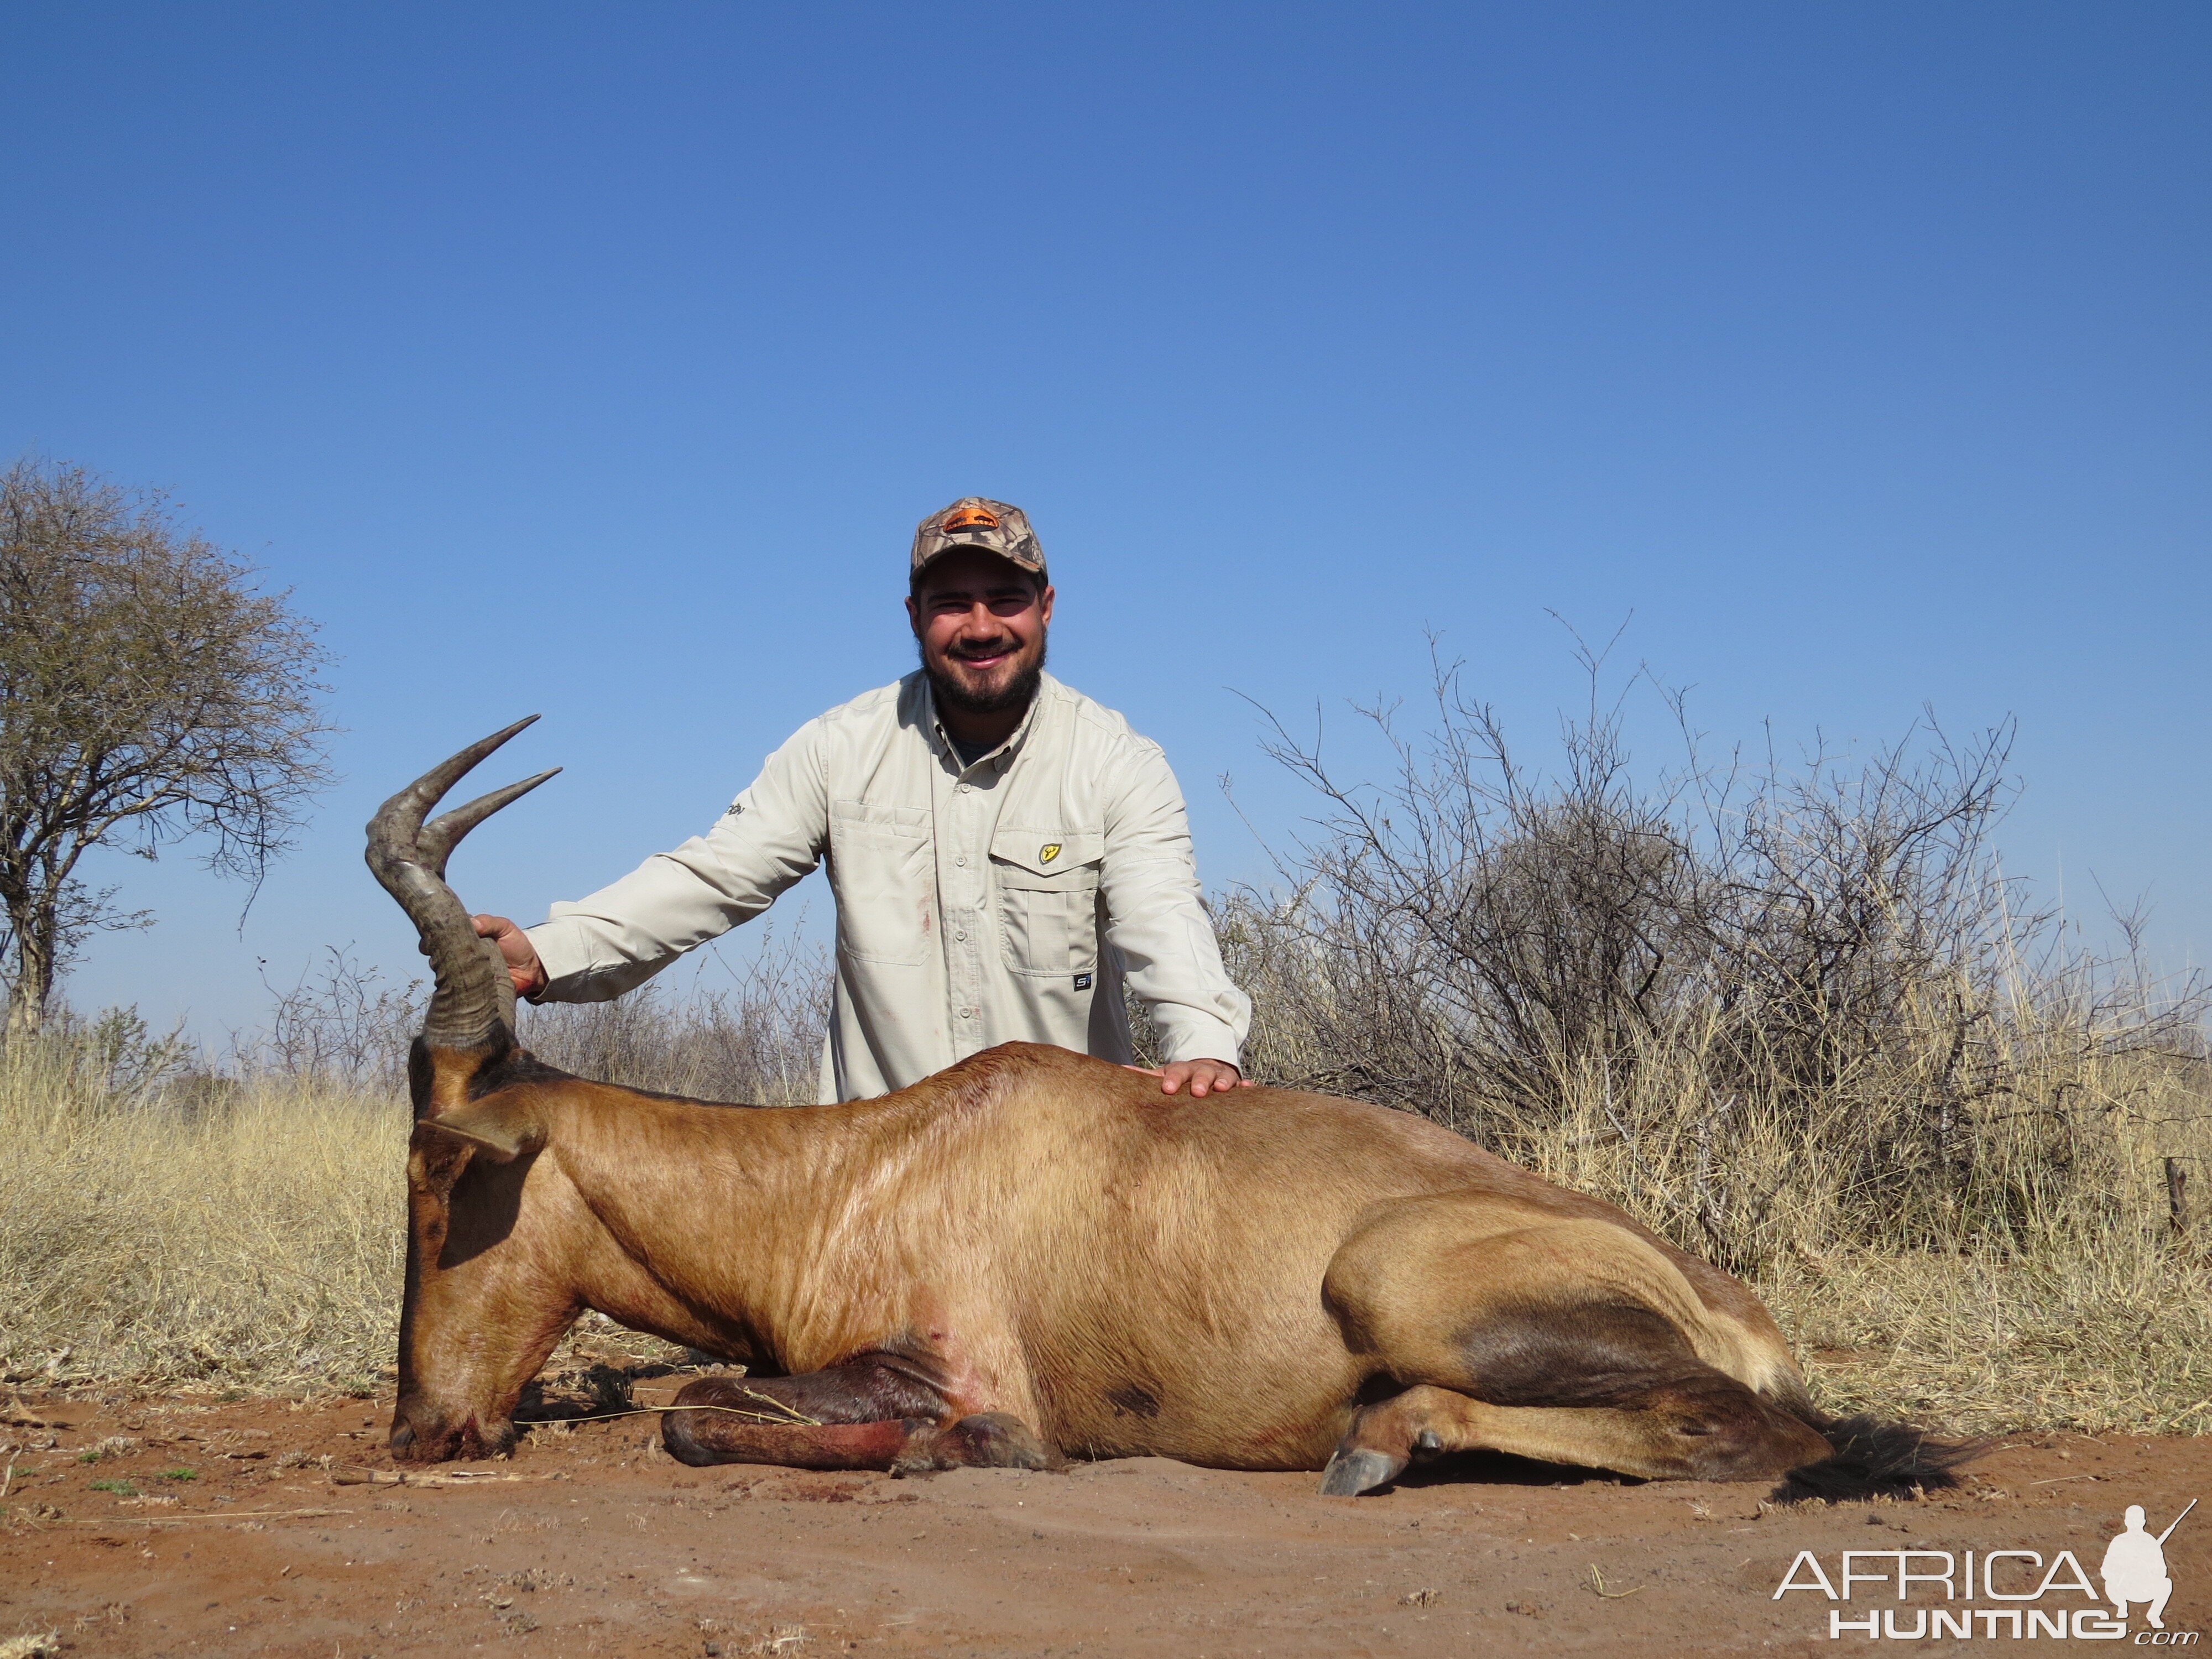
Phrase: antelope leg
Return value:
(988, 1440)
(860, 1415)
(701, 1437)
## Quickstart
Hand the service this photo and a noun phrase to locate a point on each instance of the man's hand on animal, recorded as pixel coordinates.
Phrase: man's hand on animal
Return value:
(1205, 1077)
(1009, 861)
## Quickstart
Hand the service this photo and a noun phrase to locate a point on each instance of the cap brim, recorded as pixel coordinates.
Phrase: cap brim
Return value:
(1035, 567)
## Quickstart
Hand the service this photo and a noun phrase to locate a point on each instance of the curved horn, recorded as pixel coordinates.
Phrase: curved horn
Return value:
(474, 996)
(443, 833)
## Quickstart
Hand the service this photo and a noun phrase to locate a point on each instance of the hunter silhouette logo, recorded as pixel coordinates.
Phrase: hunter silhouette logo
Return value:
(2135, 1567)
(1048, 852)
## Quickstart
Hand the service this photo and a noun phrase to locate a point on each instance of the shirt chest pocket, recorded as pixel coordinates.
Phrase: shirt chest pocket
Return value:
(1047, 893)
(885, 882)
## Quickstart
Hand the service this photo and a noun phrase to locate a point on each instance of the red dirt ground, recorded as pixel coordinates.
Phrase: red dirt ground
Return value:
(591, 1540)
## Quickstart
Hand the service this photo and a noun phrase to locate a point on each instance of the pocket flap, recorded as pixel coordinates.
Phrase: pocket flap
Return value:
(1048, 852)
(866, 816)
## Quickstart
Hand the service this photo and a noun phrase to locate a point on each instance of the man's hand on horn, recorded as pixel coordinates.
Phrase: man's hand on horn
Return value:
(516, 949)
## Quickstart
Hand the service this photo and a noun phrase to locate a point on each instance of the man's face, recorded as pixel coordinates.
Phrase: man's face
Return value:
(981, 622)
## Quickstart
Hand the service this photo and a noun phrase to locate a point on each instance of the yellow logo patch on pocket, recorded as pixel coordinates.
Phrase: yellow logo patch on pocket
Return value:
(1048, 852)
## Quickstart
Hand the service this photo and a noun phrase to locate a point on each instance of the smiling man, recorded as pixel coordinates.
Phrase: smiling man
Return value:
(1005, 853)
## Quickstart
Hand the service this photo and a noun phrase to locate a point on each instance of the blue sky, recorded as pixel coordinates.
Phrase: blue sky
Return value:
(599, 361)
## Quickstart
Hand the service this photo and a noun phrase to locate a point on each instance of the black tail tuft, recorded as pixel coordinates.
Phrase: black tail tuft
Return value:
(1873, 1458)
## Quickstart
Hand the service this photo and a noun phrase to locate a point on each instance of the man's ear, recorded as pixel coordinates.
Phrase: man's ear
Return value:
(502, 1130)
(913, 616)
(1044, 605)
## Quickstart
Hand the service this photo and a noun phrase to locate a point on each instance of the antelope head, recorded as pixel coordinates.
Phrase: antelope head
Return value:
(456, 1395)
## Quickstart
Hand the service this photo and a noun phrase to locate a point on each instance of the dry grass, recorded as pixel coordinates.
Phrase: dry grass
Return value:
(2047, 1285)
(2087, 1334)
(253, 1237)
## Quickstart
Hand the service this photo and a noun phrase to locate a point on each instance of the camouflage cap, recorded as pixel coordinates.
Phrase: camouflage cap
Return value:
(978, 521)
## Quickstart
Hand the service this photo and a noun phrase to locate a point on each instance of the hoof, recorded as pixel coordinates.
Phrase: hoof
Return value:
(1352, 1472)
(995, 1440)
(1427, 1444)
(990, 1440)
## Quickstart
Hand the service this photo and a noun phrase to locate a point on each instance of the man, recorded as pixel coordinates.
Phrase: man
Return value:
(1003, 850)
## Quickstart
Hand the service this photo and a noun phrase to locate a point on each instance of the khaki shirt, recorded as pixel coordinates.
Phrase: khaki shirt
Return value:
(976, 904)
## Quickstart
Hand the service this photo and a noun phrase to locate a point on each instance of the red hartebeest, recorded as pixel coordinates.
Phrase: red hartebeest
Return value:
(1035, 1253)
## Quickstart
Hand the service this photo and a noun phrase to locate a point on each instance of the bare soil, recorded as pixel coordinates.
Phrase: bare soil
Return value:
(247, 1528)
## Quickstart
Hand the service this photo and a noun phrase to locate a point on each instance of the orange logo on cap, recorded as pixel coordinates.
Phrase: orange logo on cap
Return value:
(970, 517)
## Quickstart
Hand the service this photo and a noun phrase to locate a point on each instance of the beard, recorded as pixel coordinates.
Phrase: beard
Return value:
(1017, 685)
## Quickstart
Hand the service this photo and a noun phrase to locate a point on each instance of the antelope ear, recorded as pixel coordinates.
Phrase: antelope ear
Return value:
(503, 1130)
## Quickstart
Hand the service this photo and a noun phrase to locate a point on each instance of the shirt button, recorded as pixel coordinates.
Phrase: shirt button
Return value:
(959, 788)
(962, 934)
(961, 860)
(967, 1014)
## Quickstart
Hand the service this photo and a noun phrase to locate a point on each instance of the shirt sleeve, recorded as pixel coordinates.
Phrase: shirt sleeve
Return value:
(1155, 921)
(773, 835)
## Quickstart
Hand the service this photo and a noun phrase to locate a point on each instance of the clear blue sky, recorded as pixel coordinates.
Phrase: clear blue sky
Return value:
(599, 360)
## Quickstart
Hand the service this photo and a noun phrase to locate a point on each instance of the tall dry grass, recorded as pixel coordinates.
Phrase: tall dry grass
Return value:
(162, 1230)
(1795, 1018)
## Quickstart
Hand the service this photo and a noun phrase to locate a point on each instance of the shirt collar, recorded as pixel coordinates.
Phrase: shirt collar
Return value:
(1003, 756)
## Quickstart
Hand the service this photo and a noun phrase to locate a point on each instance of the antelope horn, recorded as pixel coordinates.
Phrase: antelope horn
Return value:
(443, 833)
(474, 996)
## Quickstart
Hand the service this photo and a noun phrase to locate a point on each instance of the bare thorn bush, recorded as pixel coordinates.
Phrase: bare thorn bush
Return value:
(756, 1038)
(1792, 1016)
(340, 1023)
